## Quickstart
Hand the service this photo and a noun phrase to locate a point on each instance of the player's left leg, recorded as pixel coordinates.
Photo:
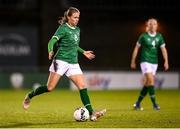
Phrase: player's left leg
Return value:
(151, 90)
(154, 69)
(76, 75)
(78, 80)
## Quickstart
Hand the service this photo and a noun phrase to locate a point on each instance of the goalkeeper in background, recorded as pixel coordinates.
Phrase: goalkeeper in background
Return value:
(149, 42)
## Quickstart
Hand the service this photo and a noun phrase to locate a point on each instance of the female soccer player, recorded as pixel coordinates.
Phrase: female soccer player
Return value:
(65, 61)
(150, 42)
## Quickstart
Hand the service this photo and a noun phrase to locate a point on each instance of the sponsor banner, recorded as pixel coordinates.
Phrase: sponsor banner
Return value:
(167, 80)
(18, 45)
(126, 80)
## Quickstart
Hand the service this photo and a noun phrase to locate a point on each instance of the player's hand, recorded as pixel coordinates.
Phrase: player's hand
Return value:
(51, 55)
(89, 54)
(133, 65)
(166, 66)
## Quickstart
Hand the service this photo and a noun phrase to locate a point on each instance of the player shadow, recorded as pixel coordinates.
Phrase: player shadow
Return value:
(33, 125)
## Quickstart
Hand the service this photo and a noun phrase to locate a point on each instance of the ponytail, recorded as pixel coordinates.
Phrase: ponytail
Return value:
(63, 19)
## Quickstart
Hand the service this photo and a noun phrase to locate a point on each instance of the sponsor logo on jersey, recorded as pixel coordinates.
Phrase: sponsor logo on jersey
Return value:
(76, 37)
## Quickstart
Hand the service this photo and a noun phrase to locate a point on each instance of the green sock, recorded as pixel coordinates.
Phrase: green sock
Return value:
(38, 91)
(142, 94)
(85, 100)
(152, 94)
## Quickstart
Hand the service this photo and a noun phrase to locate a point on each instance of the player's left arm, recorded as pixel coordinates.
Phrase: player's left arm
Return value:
(165, 56)
(81, 50)
(88, 54)
(164, 52)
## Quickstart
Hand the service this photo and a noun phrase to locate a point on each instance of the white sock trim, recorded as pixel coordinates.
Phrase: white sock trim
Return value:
(87, 105)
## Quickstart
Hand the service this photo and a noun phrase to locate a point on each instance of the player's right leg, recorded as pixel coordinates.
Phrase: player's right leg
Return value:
(144, 69)
(57, 69)
(51, 84)
(143, 93)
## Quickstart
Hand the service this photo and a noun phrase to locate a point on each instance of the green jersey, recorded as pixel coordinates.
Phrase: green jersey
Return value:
(149, 47)
(68, 41)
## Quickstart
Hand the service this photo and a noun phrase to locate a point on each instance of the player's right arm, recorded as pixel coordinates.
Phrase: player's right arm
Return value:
(60, 32)
(134, 55)
(136, 50)
(51, 43)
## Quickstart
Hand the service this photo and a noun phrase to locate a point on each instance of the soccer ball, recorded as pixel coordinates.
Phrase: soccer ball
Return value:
(81, 114)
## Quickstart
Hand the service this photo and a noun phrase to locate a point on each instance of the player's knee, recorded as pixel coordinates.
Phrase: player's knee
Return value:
(145, 83)
(81, 85)
(150, 81)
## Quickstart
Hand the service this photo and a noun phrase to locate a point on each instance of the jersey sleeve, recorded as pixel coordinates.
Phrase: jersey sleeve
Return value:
(161, 41)
(51, 43)
(60, 32)
(140, 40)
(80, 50)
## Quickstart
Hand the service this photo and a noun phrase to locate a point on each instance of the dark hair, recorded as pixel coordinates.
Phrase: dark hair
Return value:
(69, 13)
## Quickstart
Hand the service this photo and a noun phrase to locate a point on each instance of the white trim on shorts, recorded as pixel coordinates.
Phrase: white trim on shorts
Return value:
(61, 67)
(148, 68)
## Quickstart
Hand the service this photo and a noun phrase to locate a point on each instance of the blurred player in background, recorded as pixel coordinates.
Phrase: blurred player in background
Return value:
(149, 42)
(65, 60)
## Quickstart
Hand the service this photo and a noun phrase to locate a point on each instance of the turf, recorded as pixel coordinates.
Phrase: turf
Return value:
(55, 109)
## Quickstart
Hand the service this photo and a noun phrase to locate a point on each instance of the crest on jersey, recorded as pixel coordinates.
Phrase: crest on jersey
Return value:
(149, 39)
(76, 37)
(157, 39)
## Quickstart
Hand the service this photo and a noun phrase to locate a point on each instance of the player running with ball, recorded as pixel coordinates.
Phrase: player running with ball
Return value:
(65, 61)
(149, 42)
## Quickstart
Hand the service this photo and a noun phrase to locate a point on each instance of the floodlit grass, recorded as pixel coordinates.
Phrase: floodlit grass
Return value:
(56, 109)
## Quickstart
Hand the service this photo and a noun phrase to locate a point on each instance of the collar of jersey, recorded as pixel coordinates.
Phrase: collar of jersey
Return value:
(70, 26)
(152, 35)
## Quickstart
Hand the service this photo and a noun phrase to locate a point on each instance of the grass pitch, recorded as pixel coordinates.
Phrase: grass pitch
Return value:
(55, 110)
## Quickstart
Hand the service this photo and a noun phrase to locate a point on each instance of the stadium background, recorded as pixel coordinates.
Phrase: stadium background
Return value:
(109, 28)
